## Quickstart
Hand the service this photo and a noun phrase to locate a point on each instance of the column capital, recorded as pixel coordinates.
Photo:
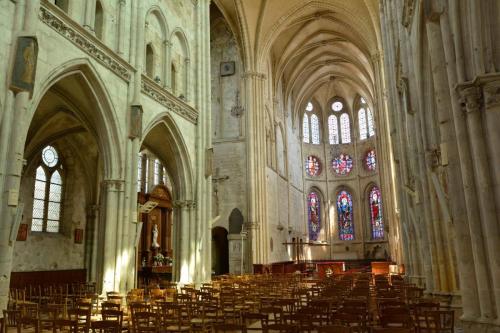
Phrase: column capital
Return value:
(190, 204)
(491, 92)
(113, 184)
(470, 98)
(253, 74)
(250, 225)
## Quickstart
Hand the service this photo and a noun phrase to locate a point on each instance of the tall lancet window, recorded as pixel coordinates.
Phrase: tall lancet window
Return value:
(310, 126)
(48, 191)
(305, 129)
(314, 215)
(376, 219)
(345, 216)
(333, 130)
(345, 128)
(365, 120)
(315, 129)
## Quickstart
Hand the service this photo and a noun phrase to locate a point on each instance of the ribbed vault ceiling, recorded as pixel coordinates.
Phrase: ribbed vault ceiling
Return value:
(308, 43)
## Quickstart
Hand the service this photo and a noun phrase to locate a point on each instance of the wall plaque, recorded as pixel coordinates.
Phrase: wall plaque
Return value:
(227, 68)
(135, 127)
(22, 232)
(78, 236)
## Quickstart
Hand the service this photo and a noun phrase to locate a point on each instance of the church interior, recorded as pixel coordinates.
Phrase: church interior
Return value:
(272, 165)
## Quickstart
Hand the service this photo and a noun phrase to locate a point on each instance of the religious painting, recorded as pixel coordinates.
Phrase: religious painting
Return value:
(376, 219)
(22, 232)
(370, 160)
(314, 215)
(78, 236)
(23, 73)
(342, 164)
(313, 166)
(345, 216)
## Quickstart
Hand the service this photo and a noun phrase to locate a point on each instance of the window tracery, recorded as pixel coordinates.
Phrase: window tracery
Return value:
(47, 195)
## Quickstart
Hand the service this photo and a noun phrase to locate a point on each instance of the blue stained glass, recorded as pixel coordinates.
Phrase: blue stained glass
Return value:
(314, 215)
(370, 160)
(376, 218)
(345, 216)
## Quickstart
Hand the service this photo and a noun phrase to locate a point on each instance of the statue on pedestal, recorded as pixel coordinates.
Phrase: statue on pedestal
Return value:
(154, 240)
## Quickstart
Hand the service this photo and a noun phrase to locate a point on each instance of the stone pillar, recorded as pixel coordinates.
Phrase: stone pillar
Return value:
(88, 22)
(168, 65)
(120, 39)
(187, 78)
(256, 159)
(112, 188)
(471, 98)
(463, 246)
(182, 257)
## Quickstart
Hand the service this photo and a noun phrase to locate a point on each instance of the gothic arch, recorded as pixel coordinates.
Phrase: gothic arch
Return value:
(157, 11)
(175, 155)
(102, 122)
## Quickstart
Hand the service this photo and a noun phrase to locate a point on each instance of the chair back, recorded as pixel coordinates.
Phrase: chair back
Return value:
(105, 326)
(334, 329)
(145, 322)
(440, 321)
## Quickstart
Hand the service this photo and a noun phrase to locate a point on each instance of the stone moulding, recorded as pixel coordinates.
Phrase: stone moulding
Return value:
(72, 31)
(164, 97)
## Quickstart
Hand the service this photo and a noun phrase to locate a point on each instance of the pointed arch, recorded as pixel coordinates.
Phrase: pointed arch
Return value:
(100, 121)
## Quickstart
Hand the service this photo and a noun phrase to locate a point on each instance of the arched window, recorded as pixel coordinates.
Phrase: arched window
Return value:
(363, 130)
(333, 130)
(99, 20)
(150, 60)
(345, 128)
(310, 126)
(47, 196)
(345, 216)
(314, 215)
(139, 173)
(305, 129)
(315, 129)
(157, 171)
(365, 120)
(337, 106)
(376, 219)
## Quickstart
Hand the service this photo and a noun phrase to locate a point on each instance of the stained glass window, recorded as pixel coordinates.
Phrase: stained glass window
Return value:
(309, 106)
(333, 130)
(376, 219)
(139, 172)
(337, 106)
(157, 168)
(369, 116)
(305, 128)
(370, 160)
(314, 215)
(365, 119)
(47, 194)
(342, 164)
(345, 128)
(313, 166)
(363, 131)
(345, 216)
(315, 129)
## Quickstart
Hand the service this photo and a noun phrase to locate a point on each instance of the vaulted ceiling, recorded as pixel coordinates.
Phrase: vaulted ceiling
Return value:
(308, 43)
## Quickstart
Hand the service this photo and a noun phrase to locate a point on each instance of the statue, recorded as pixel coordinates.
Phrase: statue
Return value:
(154, 241)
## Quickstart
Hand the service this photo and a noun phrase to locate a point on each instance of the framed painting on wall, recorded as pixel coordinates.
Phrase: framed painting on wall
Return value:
(78, 236)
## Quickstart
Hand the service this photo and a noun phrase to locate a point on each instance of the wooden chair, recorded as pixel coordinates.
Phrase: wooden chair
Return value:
(440, 321)
(402, 320)
(249, 319)
(10, 318)
(390, 330)
(24, 322)
(105, 326)
(420, 309)
(233, 328)
(145, 322)
(114, 316)
(173, 318)
(81, 317)
(281, 328)
(334, 329)
(110, 306)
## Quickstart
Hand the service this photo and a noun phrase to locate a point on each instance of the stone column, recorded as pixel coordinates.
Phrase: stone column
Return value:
(471, 99)
(182, 256)
(256, 160)
(464, 247)
(187, 78)
(168, 65)
(120, 39)
(112, 188)
(88, 22)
